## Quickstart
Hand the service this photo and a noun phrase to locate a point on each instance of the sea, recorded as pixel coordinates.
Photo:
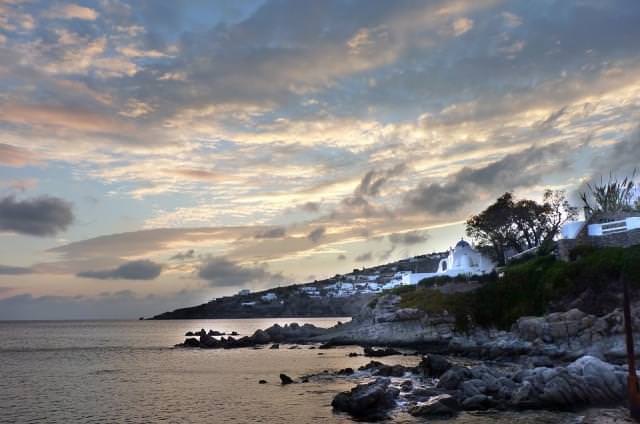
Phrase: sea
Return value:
(129, 372)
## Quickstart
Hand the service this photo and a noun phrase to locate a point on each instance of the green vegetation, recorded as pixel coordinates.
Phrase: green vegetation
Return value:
(612, 196)
(529, 287)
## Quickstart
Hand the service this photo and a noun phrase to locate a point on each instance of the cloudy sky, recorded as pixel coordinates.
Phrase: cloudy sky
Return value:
(157, 154)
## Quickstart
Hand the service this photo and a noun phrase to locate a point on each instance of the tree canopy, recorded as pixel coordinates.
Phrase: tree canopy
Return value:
(511, 224)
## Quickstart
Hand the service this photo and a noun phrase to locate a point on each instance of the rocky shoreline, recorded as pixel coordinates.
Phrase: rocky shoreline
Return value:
(562, 361)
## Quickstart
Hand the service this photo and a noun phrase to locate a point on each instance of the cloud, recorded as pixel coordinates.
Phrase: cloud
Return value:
(317, 234)
(409, 238)
(14, 270)
(134, 270)
(72, 11)
(41, 216)
(275, 232)
(374, 180)
(341, 257)
(365, 257)
(462, 25)
(522, 169)
(15, 156)
(181, 256)
(310, 206)
(221, 272)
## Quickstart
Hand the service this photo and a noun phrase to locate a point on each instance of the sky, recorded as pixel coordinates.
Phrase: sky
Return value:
(155, 155)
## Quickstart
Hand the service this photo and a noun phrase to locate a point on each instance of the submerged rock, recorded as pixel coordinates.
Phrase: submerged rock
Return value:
(285, 379)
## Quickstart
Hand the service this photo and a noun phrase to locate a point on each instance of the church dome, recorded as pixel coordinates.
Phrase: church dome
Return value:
(462, 244)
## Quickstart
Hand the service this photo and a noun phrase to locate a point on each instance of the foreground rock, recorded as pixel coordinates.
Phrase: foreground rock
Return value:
(371, 400)
(586, 382)
(285, 379)
(441, 406)
(276, 334)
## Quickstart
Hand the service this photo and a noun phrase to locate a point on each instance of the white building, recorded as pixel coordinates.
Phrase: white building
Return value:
(269, 297)
(464, 260)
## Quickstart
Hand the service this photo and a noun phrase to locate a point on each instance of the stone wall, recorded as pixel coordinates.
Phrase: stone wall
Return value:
(626, 239)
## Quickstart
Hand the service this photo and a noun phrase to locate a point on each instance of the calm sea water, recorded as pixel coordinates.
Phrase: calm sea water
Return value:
(127, 372)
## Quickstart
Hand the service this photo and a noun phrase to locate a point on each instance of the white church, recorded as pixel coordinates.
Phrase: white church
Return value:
(463, 259)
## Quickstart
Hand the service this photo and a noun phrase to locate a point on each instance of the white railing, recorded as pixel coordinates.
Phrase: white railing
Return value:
(614, 227)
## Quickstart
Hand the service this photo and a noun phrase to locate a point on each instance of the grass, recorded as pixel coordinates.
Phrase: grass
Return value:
(528, 288)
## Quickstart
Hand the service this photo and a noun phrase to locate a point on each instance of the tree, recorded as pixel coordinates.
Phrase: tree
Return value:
(520, 225)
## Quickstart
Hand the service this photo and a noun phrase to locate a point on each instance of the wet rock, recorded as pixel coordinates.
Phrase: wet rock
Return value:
(441, 406)
(433, 366)
(234, 333)
(285, 379)
(390, 371)
(378, 353)
(346, 371)
(261, 337)
(215, 333)
(406, 386)
(191, 342)
(208, 342)
(371, 400)
(275, 346)
(189, 334)
(454, 377)
(478, 402)
(262, 382)
(353, 354)
(371, 365)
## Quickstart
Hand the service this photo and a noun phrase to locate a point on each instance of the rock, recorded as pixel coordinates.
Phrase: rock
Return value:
(261, 337)
(406, 386)
(327, 345)
(453, 378)
(378, 353)
(215, 333)
(372, 365)
(294, 347)
(478, 403)
(433, 366)
(367, 400)
(353, 354)
(285, 379)
(191, 342)
(346, 371)
(262, 382)
(275, 346)
(440, 406)
(209, 342)
(189, 334)
(234, 333)
(390, 371)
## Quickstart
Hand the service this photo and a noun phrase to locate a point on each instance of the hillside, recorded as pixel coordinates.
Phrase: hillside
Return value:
(291, 301)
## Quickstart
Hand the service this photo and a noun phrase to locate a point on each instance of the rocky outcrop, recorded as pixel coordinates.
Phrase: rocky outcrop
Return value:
(292, 333)
(441, 406)
(562, 336)
(371, 400)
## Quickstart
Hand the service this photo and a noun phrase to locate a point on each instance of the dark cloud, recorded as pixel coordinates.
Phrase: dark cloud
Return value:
(374, 180)
(365, 257)
(317, 234)
(41, 216)
(409, 238)
(221, 272)
(310, 206)
(522, 169)
(14, 270)
(134, 270)
(181, 256)
(275, 232)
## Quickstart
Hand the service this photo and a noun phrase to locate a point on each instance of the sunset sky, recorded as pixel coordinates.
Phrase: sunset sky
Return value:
(157, 154)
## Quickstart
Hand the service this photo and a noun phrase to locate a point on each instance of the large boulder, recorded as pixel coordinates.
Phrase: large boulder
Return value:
(454, 377)
(433, 366)
(371, 400)
(441, 406)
